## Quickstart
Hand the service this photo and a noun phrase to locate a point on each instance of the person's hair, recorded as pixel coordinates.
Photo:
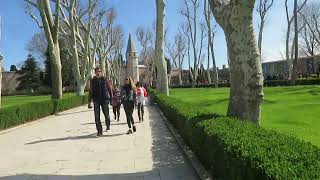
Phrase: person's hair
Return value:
(138, 84)
(97, 68)
(131, 82)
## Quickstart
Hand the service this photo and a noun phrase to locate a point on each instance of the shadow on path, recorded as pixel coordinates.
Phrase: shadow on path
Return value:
(93, 135)
(68, 113)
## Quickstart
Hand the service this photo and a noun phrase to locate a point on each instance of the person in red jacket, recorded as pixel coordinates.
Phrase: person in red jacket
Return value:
(141, 95)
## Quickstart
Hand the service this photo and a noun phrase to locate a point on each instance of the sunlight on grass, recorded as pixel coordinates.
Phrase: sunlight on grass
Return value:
(23, 99)
(290, 110)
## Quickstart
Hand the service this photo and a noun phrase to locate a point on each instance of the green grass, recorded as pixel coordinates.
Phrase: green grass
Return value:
(290, 110)
(8, 101)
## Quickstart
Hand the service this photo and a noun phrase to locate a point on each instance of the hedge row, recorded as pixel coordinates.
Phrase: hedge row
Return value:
(287, 83)
(16, 115)
(267, 83)
(231, 149)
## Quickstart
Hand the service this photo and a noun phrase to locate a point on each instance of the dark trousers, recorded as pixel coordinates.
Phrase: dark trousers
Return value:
(105, 110)
(140, 110)
(128, 108)
(116, 111)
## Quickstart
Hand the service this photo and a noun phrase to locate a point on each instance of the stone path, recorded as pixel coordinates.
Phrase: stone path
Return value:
(65, 147)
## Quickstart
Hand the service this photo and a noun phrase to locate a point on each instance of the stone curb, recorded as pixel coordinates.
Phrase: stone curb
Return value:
(192, 158)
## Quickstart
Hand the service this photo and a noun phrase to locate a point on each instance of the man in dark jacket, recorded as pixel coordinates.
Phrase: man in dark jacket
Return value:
(100, 93)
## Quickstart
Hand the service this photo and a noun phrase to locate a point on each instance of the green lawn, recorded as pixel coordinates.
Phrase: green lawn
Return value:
(290, 110)
(23, 99)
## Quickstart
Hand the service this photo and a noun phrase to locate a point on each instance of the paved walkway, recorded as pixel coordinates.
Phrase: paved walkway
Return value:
(65, 147)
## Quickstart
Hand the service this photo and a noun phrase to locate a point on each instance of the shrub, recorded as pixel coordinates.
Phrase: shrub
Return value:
(16, 115)
(232, 149)
(267, 83)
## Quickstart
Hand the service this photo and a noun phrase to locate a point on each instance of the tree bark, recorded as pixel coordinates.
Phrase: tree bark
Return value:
(260, 36)
(208, 67)
(102, 65)
(75, 56)
(215, 69)
(162, 80)
(56, 69)
(296, 44)
(246, 85)
(210, 44)
(289, 60)
(180, 77)
(51, 29)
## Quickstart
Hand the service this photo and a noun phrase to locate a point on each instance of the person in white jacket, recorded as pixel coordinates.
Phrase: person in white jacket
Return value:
(141, 95)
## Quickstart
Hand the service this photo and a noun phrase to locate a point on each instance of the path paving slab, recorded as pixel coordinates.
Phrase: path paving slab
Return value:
(65, 146)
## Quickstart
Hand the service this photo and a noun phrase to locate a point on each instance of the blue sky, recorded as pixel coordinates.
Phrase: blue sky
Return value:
(18, 28)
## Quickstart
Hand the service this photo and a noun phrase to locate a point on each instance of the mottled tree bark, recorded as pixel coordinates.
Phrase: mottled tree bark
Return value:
(162, 80)
(51, 29)
(246, 85)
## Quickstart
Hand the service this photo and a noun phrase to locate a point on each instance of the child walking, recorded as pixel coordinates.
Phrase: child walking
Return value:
(116, 103)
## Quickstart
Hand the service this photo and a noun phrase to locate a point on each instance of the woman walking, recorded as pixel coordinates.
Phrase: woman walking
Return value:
(128, 96)
(141, 94)
(116, 103)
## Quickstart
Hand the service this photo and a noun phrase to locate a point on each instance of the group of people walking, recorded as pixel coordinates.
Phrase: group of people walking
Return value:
(102, 93)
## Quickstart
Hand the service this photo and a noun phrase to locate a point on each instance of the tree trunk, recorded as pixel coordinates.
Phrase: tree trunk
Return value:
(180, 76)
(108, 69)
(296, 45)
(289, 60)
(189, 59)
(260, 36)
(75, 56)
(246, 85)
(51, 29)
(160, 61)
(215, 69)
(80, 89)
(56, 68)
(208, 67)
(102, 65)
(210, 44)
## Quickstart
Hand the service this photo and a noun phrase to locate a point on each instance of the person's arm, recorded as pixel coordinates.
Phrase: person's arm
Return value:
(145, 92)
(90, 94)
(109, 88)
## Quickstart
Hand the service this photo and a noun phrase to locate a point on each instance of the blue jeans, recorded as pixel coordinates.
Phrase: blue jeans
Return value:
(105, 109)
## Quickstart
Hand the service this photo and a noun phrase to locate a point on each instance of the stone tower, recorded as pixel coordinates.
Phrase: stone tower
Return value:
(132, 60)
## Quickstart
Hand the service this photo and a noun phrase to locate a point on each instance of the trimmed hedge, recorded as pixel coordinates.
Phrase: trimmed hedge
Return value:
(232, 149)
(271, 83)
(16, 115)
(266, 83)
